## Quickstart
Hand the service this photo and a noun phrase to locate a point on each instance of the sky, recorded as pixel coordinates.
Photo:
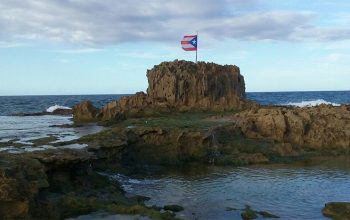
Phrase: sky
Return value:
(52, 47)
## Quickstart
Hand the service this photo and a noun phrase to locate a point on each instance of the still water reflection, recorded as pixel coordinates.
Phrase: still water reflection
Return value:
(294, 191)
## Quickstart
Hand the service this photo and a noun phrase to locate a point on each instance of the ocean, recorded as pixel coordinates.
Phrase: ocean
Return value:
(14, 104)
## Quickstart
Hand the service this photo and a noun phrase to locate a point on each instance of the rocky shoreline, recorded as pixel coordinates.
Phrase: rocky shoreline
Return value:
(191, 113)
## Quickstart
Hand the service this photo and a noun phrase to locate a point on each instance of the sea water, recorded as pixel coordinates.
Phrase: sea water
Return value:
(293, 191)
(23, 130)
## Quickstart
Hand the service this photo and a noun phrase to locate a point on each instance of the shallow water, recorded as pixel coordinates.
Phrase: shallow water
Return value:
(289, 191)
(25, 129)
(106, 216)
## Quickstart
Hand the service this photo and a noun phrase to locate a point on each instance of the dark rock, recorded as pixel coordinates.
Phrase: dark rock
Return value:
(67, 126)
(61, 184)
(337, 210)
(265, 214)
(230, 209)
(55, 112)
(62, 112)
(173, 208)
(248, 213)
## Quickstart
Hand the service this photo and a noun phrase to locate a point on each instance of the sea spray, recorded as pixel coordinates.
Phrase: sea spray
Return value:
(311, 103)
(56, 107)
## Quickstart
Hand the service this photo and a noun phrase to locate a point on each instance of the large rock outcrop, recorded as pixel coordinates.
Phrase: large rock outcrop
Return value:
(321, 127)
(177, 85)
(196, 85)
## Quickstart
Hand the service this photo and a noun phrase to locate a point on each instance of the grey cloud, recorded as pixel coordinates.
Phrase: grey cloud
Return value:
(97, 22)
(322, 34)
(261, 26)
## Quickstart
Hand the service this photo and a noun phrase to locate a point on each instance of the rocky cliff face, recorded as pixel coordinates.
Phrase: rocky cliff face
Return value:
(196, 85)
(177, 85)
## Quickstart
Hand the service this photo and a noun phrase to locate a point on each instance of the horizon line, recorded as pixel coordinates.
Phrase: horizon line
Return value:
(142, 91)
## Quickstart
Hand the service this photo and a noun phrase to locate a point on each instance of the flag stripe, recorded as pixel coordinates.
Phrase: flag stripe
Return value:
(187, 46)
(192, 36)
(190, 49)
(187, 38)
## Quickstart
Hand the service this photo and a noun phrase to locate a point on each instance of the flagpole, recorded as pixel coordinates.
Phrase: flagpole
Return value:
(197, 46)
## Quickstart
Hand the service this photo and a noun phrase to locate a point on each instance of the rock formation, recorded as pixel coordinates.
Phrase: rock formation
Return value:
(55, 112)
(337, 210)
(179, 85)
(84, 111)
(196, 85)
(64, 183)
(321, 127)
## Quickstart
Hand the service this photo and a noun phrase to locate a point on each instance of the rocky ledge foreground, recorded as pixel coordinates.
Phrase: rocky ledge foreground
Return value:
(191, 113)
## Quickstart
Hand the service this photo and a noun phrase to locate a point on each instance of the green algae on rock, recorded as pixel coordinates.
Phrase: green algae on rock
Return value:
(58, 184)
(248, 213)
(337, 210)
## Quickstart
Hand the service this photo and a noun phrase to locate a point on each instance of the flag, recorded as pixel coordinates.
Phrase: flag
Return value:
(189, 43)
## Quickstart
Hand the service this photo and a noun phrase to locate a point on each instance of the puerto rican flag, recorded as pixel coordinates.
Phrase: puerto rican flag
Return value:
(189, 43)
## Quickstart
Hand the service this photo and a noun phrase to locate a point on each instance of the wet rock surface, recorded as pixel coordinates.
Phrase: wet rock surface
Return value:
(58, 184)
(55, 112)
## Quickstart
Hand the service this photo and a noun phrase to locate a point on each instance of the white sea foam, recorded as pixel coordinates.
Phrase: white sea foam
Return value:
(311, 103)
(55, 107)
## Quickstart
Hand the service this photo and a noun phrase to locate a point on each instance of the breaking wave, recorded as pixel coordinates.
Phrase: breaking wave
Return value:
(311, 103)
(55, 107)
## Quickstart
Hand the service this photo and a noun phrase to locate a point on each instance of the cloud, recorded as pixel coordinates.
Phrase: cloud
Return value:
(109, 22)
(321, 34)
(12, 45)
(84, 50)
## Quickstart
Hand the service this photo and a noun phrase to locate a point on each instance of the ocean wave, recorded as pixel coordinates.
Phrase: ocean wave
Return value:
(55, 107)
(311, 103)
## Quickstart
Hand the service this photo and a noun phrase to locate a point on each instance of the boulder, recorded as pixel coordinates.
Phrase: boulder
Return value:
(84, 112)
(126, 106)
(21, 179)
(173, 208)
(337, 210)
